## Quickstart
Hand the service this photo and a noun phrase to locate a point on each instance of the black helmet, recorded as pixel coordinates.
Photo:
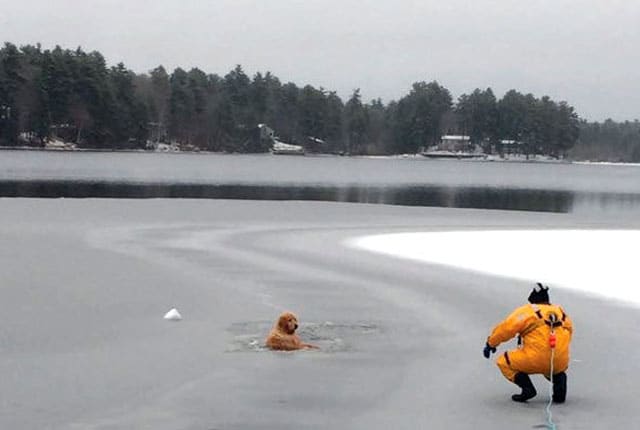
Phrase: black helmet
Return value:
(540, 294)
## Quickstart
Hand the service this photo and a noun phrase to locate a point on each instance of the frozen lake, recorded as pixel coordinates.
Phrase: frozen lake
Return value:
(86, 283)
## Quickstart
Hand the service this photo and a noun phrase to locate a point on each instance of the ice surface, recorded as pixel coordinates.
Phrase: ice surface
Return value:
(401, 342)
(600, 262)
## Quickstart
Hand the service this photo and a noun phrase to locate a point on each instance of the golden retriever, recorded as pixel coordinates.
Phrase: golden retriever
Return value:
(283, 335)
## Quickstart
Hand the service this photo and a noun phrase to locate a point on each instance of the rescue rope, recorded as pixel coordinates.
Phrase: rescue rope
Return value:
(552, 344)
(550, 424)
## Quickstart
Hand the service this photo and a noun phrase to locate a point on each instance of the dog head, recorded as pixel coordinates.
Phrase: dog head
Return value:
(288, 322)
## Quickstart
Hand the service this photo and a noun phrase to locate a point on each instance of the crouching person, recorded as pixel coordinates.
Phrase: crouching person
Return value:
(544, 331)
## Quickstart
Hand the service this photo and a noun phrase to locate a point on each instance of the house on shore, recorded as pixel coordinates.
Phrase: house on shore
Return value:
(452, 146)
(277, 147)
(455, 143)
(509, 146)
(266, 132)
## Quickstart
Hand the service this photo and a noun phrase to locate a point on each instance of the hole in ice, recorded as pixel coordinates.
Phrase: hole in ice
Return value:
(329, 336)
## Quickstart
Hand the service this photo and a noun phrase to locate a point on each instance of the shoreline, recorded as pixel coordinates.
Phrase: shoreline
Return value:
(488, 158)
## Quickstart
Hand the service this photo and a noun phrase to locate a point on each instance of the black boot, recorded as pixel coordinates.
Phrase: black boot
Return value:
(523, 381)
(559, 387)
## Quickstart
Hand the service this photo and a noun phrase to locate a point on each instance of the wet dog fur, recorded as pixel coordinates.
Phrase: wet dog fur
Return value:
(283, 335)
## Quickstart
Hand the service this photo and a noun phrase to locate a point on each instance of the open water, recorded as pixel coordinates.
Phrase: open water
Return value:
(411, 181)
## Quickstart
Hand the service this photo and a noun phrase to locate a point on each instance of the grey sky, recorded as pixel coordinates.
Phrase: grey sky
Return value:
(582, 51)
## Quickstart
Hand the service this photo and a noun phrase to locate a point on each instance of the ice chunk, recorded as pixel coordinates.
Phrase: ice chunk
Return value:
(173, 315)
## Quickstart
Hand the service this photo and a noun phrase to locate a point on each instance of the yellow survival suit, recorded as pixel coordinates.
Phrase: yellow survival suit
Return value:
(533, 323)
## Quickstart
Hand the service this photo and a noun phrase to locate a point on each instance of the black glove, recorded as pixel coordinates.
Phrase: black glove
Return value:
(488, 349)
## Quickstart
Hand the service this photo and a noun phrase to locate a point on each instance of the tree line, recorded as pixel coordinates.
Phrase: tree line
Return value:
(72, 95)
(608, 141)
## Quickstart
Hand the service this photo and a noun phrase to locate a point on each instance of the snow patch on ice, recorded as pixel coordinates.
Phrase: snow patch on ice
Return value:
(599, 262)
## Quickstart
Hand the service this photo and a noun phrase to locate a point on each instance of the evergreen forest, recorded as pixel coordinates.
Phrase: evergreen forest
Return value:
(75, 96)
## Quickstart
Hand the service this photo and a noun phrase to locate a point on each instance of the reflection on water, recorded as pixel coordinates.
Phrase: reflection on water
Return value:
(548, 187)
(411, 195)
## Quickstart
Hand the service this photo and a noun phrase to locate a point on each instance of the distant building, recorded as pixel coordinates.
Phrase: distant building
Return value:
(510, 146)
(455, 143)
(266, 132)
(315, 144)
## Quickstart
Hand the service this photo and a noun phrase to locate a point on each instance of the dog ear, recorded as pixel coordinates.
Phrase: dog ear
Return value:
(282, 321)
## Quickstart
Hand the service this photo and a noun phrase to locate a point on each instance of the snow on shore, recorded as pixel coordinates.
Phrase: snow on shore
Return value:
(598, 262)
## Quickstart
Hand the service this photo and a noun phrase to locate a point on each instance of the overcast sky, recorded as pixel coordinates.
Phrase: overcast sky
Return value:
(581, 51)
